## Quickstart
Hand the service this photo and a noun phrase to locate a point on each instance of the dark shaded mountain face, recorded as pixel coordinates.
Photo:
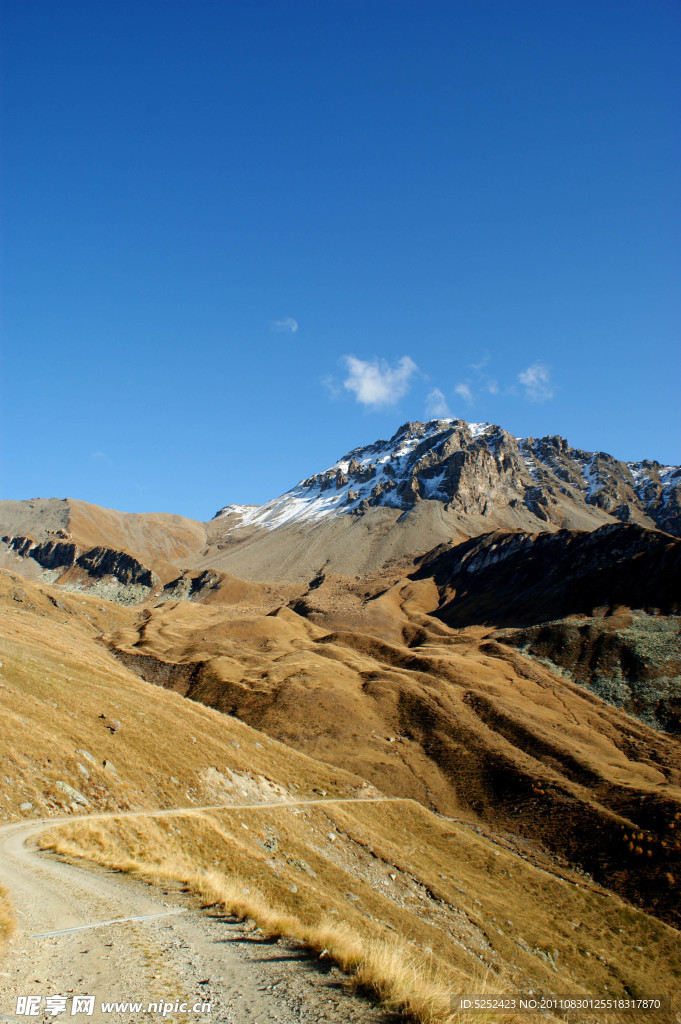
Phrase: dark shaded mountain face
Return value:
(601, 607)
(519, 579)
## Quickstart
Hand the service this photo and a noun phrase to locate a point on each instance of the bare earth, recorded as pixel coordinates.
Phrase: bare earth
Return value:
(176, 952)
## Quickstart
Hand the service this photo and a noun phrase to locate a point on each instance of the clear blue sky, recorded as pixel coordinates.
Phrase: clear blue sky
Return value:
(241, 238)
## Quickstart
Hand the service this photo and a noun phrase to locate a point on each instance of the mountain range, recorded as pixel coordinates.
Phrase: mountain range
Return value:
(480, 470)
(433, 483)
(483, 626)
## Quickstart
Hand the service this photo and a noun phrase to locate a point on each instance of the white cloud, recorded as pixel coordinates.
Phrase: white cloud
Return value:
(463, 391)
(288, 325)
(493, 387)
(536, 380)
(375, 383)
(436, 405)
(332, 385)
(482, 364)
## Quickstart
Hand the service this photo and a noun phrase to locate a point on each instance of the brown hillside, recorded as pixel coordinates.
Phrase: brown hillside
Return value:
(467, 895)
(448, 717)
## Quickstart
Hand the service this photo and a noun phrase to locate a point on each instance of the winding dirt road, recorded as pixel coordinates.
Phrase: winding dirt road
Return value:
(97, 933)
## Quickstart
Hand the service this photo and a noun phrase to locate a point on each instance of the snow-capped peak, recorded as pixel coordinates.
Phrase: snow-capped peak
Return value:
(475, 468)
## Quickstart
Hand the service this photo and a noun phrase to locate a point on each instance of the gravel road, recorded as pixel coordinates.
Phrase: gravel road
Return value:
(172, 953)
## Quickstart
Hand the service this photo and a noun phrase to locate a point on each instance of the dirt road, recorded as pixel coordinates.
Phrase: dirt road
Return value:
(98, 933)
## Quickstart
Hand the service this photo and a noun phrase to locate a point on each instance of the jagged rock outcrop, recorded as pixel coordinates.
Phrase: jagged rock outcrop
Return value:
(627, 491)
(50, 554)
(190, 586)
(477, 469)
(105, 562)
(97, 562)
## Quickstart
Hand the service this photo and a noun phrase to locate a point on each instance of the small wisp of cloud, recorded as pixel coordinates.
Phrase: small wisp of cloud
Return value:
(463, 391)
(479, 367)
(375, 384)
(102, 458)
(436, 406)
(332, 385)
(479, 383)
(536, 380)
(286, 326)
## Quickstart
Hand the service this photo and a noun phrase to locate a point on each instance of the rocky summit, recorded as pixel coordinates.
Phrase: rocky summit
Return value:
(478, 469)
(438, 483)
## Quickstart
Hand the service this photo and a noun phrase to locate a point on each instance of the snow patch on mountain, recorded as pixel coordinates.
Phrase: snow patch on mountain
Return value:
(476, 468)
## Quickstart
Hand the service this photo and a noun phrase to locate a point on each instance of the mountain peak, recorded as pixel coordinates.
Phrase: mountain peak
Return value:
(479, 470)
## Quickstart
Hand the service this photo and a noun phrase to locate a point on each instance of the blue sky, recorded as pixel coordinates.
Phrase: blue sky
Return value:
(242, 238)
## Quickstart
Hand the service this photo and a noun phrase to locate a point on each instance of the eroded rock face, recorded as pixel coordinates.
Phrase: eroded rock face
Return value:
(625, 490)
(98, 562)
(50, 554)
(190, 586)
(105, 562)
(481, 469)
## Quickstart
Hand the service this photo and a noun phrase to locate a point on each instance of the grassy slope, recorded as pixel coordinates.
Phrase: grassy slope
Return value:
(474, 899)
(449, 718)
(7, 920)
(470, 898)
(62, 695)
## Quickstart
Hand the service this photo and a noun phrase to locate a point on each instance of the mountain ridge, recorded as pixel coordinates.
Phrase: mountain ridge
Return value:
(383, 504)
(442, 460)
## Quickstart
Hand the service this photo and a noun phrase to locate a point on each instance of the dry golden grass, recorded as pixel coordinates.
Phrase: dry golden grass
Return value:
(401, 976)
(414, 906)
(62, 694)
(465, 905)
(7, 921)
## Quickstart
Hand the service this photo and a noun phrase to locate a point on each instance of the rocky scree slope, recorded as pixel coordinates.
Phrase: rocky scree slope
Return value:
(478, 469)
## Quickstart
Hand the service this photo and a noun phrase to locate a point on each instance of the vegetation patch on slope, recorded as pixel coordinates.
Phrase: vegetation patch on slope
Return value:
(631, 660)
